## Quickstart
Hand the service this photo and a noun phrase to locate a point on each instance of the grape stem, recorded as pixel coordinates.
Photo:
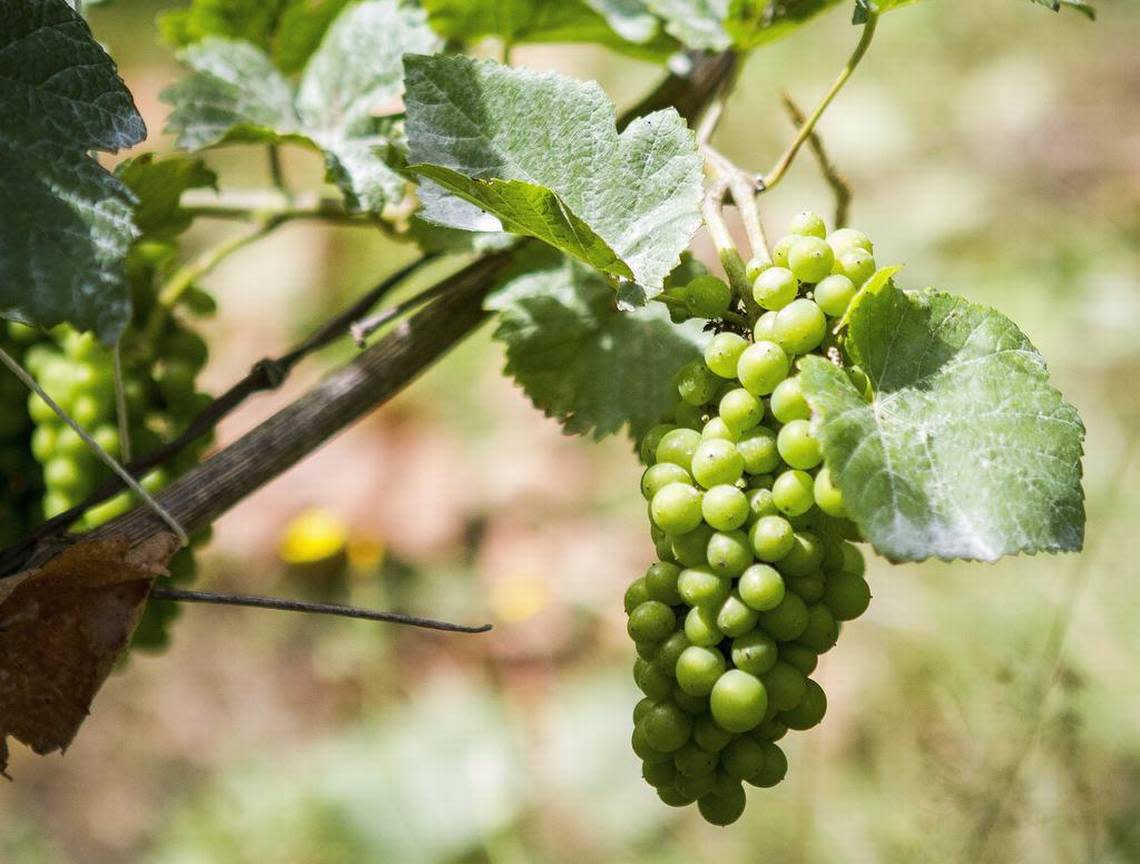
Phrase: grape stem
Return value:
(776, 173)
(364, 328)
(121, 405)
(258, 206)
(103, 456)
(277, 172)
(840, 188)
(280, 604)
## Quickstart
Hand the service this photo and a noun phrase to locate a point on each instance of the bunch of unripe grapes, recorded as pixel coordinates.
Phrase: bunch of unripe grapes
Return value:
(756, 567)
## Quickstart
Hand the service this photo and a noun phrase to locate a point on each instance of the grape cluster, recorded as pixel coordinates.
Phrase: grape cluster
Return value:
(756, 566)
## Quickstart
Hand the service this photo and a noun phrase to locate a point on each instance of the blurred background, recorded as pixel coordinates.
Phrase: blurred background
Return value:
(977, 713)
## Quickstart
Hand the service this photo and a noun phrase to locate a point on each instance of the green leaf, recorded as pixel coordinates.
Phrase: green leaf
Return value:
(715, 25)
(66, 224)
(966, 450)
(579, 358)
(158, 184)
(543, 155)
(289, 31)
(355, 77)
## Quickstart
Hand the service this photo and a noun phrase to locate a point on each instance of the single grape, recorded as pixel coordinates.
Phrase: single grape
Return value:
(678, 446)
(799, 657)
(661, 582)
(722, 808)
(846, 239)
(857, 265)
(847, 595)
(674, 797)
(651, 621)
(676, 508)
(701, 586)
(735, 618)
(667, 728)
(761, 587)
(771, 537)
(793, 492)
(651, 680)
(716, 461)
(755, 266)
(729, 553)
(743, 758)
(764, 328)
(647, 650)
(797, 446)
(763, 365)
(698, 669)
(799, 328)
(636, 594)
(700, 626)
(827, 495)
(781, 249)
(810, 710)
(811, 259)
(738, 701)
(804, 558)
(775, 288)
(740, 410)
(754, 652)
(692, 761)
(696, 787)
(788, 620)
(709, 736)
(717, 428)
(785, 685)
(809, 588)
(696, 383)
(760, 504)
(691, 549)
(775, 767)
(640, 709)
(68, 476)
(43, 442)
(788, 402)
(648, 449)
(725, 507)
(834, 294)
(759, 450)
(641, 748)
(708, 296)
(658, 774)
(769, 730)
(657, 477)
(723, 353)
(669, 652)
(808, 224)
(853, 562)
(821, 632)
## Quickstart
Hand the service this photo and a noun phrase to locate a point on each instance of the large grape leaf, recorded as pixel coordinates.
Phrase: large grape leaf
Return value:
(236, 94)
(66, 221)
(578, 357)
(542, 154)
(289, 31)
(966, 450)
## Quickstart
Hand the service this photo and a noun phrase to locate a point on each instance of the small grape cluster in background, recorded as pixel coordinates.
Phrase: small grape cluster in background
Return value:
(756, 566)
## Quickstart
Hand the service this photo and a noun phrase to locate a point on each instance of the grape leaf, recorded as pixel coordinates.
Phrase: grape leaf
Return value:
(158, 185)
(578, 357)
(289, 31)
(715, 25)
(66, 223)
(966, 450)
(542, 154)
(237, 95)
(62, 628)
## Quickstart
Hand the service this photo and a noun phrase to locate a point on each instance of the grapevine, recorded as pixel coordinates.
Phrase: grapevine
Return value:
(757, 567)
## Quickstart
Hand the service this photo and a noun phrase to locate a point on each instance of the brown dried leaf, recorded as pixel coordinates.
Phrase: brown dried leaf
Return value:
(62, 627)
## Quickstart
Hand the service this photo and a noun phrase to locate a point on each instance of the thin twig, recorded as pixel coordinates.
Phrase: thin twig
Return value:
(776, 173)
(121, 416)
(277, 603)
(361, 330)
(838, 183)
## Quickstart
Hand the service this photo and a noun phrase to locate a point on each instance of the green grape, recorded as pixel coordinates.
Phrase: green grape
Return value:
(861, 382)
(39, 410)
(701, 586)
(669, 652)
(775, 767)
(758, 448)
(678, 446)
(809, 588)
(808, 224)
(768, 731)
(853, 562)
(690, 549)
(689, 416)
(716, 462)
(738, 701)
(722, 808)
(640, 745)
(651, 621)
(694, 788)
(700, 626)
(847, 595)
(651, 680)
(788, 402)
(762, 366)
(827, 495)
(68, 476)
(729, 553)
(846, 239)
(805, 557)
(676, 508)
(725, 507)
(692, 761)
(822, 631)
(810, 710)
(799, 657)
(760, 504)
(755, 266)
(775, 288)
(857, 265)
(699, 668)
(781, 249)
(636, 594)
(661, 582)
(811, 259)
(43, 444)
(743, 758)
(647, 650)
(799, 328)
(674, 797)
(787, 620)
(697, 384)
(708, 297)
(754, 652)
(107, 437)
(648, 449)
(740, 411)
(762, 587)
(658, 774)
(771, 537)
(110, 509)
(793, 492)
(662, 544)
(694, 706)
(709, 736)
(657, 477)
(785, 685)
(765, 327)
(834, 294)
(723, 353)
(717, 428)
(797, 446)
(735, 618)
(642, 706)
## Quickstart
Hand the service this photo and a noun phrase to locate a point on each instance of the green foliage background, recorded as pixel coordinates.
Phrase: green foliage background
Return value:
(992, 149)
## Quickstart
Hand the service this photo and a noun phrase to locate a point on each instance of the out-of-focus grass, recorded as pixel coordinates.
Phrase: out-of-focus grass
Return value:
(977, 713)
